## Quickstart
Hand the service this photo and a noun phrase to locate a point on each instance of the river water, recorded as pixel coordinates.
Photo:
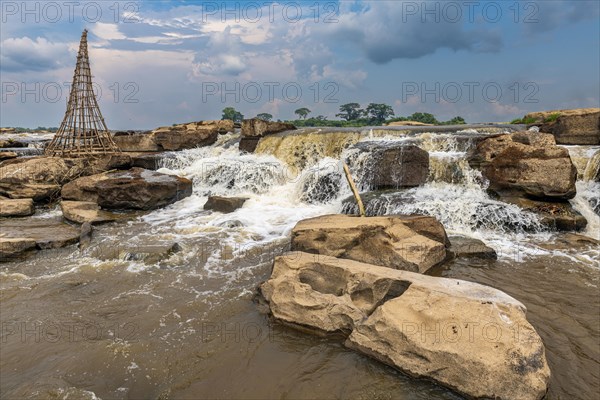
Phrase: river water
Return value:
(110, 321)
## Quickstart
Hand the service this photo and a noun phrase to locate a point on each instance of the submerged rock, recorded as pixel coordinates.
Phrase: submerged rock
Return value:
(136, 188)
(147, 253)
(526, 164)
(468, 337)
(578, 126)
(224, 204)
(16, 207)
(411, 243)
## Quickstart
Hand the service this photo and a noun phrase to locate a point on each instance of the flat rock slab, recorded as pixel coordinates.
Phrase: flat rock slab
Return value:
(465, 247)
(7, 155)
(411, 243)
(86, 211)
(16, 207)
(47, 234)
(471, 338)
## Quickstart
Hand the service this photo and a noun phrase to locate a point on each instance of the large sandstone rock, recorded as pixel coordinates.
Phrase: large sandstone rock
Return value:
(390, 166)
(471, 338)
(136, 141)
(191, 135)
(411, 243)
(526, 164)
(85, 211)
(38, 178)
(16, 207)
(578, 126)
(255, 129)
(224, 204)
(136, 188)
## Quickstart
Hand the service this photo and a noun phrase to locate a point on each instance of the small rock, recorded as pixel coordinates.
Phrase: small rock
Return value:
(83, 212)
(7, 155)
(225, 205)
(14, 247)
(85, 235)
(16, 207)
(464, 247)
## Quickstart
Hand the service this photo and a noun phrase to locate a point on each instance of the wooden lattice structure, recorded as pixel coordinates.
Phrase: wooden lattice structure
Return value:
(83, 131)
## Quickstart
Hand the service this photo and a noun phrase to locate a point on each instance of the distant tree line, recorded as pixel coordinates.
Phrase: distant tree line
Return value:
(351, 114)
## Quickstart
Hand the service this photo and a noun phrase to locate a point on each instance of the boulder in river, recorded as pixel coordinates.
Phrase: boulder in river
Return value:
(38, 178)
(391, 166)
(224, 204)
(16, 207)
(136, 141)
(577, 126)
(11, 144)
(468, 337)
(137, 188)
(526, 164)
(255, 129)
(412, 243)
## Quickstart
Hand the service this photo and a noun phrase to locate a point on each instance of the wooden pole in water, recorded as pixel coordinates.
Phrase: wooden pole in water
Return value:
(361, 207)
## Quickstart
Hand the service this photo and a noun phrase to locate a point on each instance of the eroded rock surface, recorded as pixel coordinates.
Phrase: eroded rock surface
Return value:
(16, 207)
(412, 243)
(471, 338)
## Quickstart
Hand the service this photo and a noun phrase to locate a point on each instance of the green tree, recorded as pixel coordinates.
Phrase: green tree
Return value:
(302, 112)
(425, 118)
(232, 114)
(379, 112)
(265, 116)
(457, 121)
(350, 112)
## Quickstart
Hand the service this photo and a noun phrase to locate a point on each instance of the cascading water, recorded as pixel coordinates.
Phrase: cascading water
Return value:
(183, 322)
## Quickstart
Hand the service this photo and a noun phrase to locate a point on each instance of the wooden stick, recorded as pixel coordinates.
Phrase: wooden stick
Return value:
(361, 206)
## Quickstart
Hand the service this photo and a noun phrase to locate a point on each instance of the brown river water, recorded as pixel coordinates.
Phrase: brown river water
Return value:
(99, 323)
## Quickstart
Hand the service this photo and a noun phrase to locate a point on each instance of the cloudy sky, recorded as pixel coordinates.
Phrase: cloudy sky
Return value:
(160, 62)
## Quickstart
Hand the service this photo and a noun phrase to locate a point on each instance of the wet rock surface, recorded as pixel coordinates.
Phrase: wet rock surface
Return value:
(224, 204)
(136, 188)
(526, 164)
(47, 234)
(255, 129)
